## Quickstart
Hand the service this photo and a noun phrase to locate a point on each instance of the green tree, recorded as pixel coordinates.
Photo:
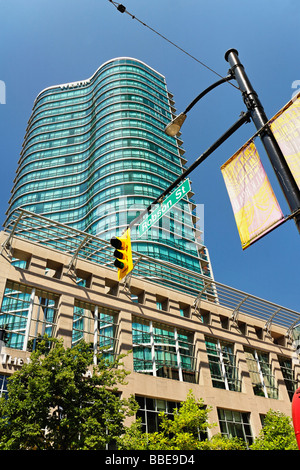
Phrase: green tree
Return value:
(219, 442)
(55, 403)
(276, 434)
(180, 433)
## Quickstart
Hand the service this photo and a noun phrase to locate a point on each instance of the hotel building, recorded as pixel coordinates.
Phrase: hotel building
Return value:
(235, 351)
(94, 155)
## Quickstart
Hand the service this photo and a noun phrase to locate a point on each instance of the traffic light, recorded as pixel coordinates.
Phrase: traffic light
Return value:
(123, 254)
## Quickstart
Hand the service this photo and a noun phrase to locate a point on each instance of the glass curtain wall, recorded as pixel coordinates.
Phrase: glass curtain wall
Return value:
(95, 154)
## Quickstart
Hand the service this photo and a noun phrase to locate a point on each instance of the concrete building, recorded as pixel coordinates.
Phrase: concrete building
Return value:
(231, 349)
(95, 154)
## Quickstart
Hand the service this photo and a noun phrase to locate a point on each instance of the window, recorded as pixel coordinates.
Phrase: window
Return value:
(83, 279)
(137, 295)
(163, 351)
(205, 316)
(162, 303)
(96, 325)
(46, 313)
(27, 314)
(111, 287)
(222, 364)
(16, 304)
(288, 375)
(20, 259)
(235, 424)
(53, 269)
(259, 332)
(185, 310)
(224, 322)
(142, 341)
(263, 381)
(149, 409)
(242, 326)
(19, 263)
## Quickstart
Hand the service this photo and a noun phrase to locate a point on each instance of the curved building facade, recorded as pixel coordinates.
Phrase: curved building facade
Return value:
(95, 154)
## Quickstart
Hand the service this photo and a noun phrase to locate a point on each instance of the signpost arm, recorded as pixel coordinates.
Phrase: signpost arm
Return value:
(245, 117)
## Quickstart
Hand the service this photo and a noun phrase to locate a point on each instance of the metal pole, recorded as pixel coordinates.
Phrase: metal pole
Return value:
(96, 319)
(207, 90)
(254, 106)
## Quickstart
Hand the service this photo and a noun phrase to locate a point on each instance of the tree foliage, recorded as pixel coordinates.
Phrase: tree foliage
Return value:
(54, 403)
(277, 433)
(62, 401)
(182, 432)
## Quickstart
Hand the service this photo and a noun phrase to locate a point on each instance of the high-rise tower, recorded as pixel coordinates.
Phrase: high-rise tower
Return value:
(95, 154)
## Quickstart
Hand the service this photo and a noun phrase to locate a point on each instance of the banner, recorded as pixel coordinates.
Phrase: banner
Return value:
(285, 126)
(254, 204)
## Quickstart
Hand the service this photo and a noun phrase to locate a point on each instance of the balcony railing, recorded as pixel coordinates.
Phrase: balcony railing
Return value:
(78, 244)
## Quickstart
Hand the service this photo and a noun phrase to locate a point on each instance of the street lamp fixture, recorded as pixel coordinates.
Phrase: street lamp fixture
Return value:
(174, 126)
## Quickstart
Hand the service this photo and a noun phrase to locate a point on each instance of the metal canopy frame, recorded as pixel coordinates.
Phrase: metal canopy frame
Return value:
(46, 232)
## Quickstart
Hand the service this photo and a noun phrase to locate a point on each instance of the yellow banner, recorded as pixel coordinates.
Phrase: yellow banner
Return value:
(285, 126)
(254, 204)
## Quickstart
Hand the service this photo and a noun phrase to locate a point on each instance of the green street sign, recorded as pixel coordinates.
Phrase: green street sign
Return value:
(163, 208)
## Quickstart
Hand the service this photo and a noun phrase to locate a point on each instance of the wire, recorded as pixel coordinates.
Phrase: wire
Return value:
(122, 9)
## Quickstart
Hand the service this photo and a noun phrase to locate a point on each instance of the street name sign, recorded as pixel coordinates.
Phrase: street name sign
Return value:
(163, 208)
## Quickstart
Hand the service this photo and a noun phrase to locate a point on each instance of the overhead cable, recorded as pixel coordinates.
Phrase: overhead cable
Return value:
(122, 9)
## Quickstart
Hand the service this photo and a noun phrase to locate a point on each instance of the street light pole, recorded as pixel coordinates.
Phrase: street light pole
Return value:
(259, 118)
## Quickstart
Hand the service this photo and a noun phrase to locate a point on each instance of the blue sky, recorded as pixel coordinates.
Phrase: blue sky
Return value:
(46, 43)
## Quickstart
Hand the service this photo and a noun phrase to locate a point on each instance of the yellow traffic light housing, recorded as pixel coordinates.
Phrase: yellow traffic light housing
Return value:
(123, 254)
